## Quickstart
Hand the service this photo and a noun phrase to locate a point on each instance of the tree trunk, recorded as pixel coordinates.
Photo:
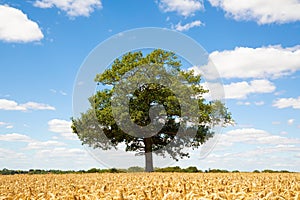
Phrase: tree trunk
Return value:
(148, 155)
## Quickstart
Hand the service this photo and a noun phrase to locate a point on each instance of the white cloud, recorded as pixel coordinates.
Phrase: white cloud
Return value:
(59, 126)
(291, 121)
(244, 125)
(243, 103)
(283, 133)
(3, 123)
(182, 7)
(287, 102)
(6, 153)
(256, 136)
(31, 143)
(247, 135)
(188, 26)
(43, 145)
(62, 127)
(279, 93)
(53, 91)
(15, 137)
(216, 90)
(37, 106)
(42, 154)
(238, 90)
(64, 158)
(8, 157)
(259, 103)
(62, 93)
(61, 153)
(16, 27)
(267, 157)
(273, 149)
(47, 158)
(73, 8)
(261, 11)
(12, 105)
(241, 90)
(245, 62)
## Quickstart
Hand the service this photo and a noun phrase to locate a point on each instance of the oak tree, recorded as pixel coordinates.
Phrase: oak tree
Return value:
(157, 104)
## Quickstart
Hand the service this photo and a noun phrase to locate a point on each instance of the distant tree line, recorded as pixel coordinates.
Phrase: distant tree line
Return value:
(190, 169)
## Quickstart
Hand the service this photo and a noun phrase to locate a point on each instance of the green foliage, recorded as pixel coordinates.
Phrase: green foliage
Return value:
(274, 171)
(99, 118)
(191, 169)
(217, 171)
(93, 170)
(267, 171)
(6, 171)
(169, 169)
(113, 170)
(135, 169)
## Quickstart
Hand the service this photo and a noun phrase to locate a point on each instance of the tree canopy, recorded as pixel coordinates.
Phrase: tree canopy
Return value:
(152, 105)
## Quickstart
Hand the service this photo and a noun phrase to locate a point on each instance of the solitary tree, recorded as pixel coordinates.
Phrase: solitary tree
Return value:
(183, 118)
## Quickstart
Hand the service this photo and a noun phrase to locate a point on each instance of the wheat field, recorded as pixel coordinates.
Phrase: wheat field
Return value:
(148, 186)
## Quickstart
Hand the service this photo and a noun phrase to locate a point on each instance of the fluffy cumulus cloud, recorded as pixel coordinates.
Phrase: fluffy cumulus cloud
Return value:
(241, 90)
(287, 102)
(188, 26)
(261, 11)
(245, 62)
(18, 28)
(12, 105)
(62, 127)
(182, 7)
(73, 8)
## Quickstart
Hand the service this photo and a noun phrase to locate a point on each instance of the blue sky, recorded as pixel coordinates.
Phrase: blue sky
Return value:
(255, 46)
